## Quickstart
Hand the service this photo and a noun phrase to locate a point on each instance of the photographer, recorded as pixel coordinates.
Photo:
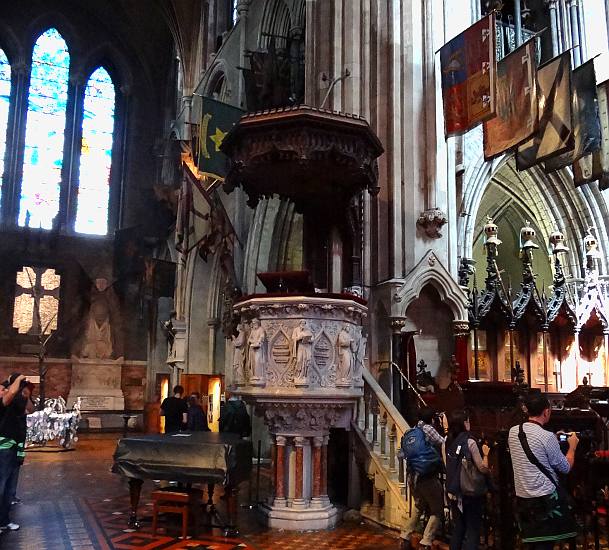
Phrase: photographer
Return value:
(543, 511)
(10, 434)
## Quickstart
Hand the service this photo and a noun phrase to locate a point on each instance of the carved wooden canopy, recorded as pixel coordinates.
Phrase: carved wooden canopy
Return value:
(312, 156)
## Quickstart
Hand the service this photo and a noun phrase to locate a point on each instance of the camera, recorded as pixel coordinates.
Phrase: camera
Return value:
(564, 437)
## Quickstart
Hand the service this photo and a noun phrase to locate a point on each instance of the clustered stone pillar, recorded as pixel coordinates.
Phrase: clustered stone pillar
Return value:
(280, 442)
(308, 477)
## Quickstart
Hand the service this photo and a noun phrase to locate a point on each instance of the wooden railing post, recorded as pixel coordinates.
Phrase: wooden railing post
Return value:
(392, 452)
(384, 435)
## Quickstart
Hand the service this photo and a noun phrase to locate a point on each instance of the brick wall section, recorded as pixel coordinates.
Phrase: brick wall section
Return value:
(59, 378)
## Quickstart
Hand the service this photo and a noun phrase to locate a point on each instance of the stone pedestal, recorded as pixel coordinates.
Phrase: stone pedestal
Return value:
(98, 383)
(304, 378)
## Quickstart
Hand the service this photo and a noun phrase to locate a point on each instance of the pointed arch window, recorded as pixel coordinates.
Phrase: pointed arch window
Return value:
(44, 137)
(62, 135)
(96, 154)
(5, 98)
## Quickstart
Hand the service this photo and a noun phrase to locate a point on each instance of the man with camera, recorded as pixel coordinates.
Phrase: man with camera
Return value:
(543, 511)
(11, 432)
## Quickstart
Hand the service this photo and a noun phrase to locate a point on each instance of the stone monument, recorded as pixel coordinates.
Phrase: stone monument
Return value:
(96, 369)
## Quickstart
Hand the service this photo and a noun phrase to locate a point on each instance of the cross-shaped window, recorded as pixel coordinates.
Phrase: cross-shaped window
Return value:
(36, 301)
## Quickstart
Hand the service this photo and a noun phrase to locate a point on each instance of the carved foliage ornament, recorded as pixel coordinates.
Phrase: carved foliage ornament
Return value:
(431, 221)
(291, 417)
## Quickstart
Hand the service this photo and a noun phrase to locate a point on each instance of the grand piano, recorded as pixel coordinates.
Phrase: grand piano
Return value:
(186, 457)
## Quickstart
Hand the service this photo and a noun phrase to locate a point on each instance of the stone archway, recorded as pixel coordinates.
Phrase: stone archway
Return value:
(550, 199)
(432, 319)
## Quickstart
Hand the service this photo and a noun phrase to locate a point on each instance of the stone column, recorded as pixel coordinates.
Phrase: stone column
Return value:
(323, 489)
(299, 500)
(316, 467)
(280, 499)
(551, 5)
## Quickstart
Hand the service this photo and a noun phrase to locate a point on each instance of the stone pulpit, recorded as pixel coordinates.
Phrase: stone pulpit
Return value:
(299, 349)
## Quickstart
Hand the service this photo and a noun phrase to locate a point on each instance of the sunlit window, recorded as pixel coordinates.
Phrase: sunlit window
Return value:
(5, 96)
(44, 138)
(96, 155)
(36, 304)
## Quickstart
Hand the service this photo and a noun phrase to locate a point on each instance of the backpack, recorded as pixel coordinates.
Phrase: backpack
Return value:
(454, 454)
(421, 457)
(462, 475)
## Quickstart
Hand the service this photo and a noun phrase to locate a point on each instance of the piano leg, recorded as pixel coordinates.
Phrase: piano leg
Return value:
(230, 530)
(135, 488)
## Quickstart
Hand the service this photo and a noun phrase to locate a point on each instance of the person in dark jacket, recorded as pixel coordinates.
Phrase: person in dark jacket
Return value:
(466, 510)
(197, 419)
(175, 411)
(234, 418)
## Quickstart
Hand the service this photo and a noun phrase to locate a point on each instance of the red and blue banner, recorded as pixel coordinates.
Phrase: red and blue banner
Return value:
(468, 64)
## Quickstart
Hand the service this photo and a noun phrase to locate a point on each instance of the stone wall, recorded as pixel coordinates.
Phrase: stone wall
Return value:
(59, 378)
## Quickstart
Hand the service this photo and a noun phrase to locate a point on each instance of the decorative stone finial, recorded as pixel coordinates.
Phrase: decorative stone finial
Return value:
(557, 242)
(490, 231)
(527, 234)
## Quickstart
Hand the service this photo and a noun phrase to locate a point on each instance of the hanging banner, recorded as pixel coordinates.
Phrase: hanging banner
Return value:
(217, 119)
(603, 113)
(585, 123)
(468, 64)
(555, 134)
(595, 166)
(517, 112)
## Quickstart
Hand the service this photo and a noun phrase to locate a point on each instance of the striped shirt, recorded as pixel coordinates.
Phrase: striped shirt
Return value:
(529, 480)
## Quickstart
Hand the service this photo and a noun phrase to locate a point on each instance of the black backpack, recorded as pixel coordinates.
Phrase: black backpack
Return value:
(454, 454)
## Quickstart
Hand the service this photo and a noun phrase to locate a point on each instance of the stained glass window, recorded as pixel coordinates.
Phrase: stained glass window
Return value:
(5, 96)
(36, 303)
(96, 155)
(44, 137)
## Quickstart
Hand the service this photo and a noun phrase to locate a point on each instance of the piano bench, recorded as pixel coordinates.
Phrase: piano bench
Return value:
(174, 502)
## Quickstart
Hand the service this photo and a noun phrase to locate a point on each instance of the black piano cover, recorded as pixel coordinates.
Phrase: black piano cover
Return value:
(197, 457)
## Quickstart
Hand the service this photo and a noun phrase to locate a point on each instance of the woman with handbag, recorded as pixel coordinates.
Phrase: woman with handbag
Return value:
(466, 471)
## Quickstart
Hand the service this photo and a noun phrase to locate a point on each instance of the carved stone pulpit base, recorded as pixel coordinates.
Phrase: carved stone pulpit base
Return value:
(293, 519)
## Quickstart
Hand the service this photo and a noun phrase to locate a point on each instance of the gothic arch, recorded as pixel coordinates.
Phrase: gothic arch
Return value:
(276, 21)
(430, 271)
(11, 46)
(553, 198)
(58, 21)
(108, 56)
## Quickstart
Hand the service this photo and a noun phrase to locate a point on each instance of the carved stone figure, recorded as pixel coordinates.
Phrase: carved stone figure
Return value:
(302, 353)
(239, 343)
(360, 354)
(346, 357)
(99, 339)
(256, 351)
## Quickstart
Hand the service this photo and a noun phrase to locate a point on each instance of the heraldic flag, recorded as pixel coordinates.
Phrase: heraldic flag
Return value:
(595, 166)
(217, 119)
(555, 134)
(468, 64)
(585, 122)
(516, 119)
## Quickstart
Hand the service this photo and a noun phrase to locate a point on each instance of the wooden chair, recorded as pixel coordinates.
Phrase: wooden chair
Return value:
(174, 502)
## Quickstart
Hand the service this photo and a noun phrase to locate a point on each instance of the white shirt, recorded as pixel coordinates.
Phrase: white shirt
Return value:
(529, 480)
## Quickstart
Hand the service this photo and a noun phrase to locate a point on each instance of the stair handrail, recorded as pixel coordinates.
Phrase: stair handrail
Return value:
(386, 403)
(393, 365)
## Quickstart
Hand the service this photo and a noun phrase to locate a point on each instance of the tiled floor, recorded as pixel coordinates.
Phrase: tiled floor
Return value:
(72, 501)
